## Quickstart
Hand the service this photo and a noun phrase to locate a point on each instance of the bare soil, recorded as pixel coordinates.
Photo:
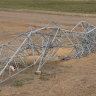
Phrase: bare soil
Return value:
(75, 77)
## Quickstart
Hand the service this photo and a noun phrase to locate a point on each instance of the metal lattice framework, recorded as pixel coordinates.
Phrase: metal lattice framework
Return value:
(42, 44)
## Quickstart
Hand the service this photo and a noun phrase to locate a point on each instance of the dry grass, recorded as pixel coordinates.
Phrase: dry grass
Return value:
(75, 77)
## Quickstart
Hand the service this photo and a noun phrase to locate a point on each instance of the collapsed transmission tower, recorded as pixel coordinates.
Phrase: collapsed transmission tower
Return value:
(41, 45)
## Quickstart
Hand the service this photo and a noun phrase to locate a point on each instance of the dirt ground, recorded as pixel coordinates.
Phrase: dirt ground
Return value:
(75, 77)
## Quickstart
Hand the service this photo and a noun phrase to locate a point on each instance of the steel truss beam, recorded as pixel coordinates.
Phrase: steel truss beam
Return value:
(41, 45)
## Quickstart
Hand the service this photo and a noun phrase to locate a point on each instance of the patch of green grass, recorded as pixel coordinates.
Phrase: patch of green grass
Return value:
(18, 83)
(28, 79)
(0, 90)
(45, 76)
(21, 82)
(79, 6)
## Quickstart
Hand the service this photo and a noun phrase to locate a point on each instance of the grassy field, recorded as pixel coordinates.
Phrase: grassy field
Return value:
(76, 6)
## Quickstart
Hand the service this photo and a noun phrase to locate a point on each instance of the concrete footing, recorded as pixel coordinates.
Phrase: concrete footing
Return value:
(38, 72)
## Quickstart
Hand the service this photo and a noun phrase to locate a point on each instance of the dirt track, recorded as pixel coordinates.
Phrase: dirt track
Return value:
(75, 77)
